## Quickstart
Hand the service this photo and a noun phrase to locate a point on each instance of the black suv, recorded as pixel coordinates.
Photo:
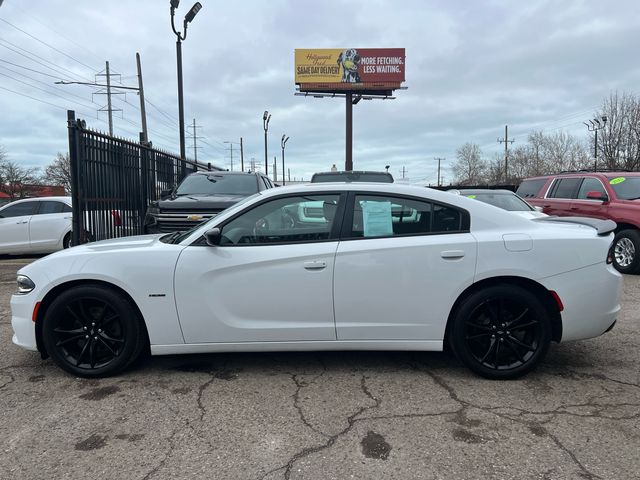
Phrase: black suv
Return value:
(199, 197)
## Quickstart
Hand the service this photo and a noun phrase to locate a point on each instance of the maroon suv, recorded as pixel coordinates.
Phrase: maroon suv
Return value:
(613, 195)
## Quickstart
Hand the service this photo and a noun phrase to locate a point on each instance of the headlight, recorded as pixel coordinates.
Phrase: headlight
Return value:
(25, 284)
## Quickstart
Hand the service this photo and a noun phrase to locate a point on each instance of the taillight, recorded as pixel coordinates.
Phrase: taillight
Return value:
(556, 297)
(116, 218)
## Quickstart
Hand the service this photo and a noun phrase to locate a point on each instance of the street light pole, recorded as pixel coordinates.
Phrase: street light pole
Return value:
(283, 143)
(188, 18)
(266, 116)
(593, 126)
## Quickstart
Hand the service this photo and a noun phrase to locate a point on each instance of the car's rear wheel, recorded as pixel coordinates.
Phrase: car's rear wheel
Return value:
(92, 331)
(501, 332)
(625, 251)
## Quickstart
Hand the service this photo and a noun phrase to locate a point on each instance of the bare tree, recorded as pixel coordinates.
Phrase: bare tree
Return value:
(469, 168)
(58, 172)
(17, 181)
(619, 140)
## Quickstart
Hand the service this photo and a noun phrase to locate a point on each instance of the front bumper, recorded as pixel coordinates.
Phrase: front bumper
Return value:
(24, 328)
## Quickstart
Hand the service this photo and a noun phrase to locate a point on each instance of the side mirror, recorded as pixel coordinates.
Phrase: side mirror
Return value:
(213, 236)
(166, 193)
(595, 195)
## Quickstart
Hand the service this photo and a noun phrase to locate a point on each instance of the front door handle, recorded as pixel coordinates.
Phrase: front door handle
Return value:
(22, 223)
(315, 265)
(452, 254)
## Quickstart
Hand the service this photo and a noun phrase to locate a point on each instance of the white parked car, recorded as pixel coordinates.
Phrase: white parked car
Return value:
(390, 267)
(35, 225)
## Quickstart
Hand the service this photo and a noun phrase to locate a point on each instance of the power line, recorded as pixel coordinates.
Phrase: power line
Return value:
(30, 69)
(50, 46)
(45, 84)
(55, 68)
(42, 89)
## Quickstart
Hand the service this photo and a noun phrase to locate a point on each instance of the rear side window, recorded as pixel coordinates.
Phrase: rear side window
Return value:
(382, 216)
(564, 188)
(530, 188)
(51, 207)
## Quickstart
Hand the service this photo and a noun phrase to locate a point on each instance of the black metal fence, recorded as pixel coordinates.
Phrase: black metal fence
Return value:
(113, 180)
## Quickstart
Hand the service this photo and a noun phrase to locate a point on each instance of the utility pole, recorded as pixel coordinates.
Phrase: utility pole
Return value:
(241, 156)
(593, 126)
(506, 142)
(143, 111)
(439, 159)
(283, 144)
(109, 109)
(403, 171)
(195, 138)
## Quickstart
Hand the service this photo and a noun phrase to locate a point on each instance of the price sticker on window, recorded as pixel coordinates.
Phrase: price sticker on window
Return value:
(617, 180)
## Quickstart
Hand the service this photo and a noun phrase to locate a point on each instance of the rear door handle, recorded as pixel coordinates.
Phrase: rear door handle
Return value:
(315, 265)
(452, 254)
(22, 223)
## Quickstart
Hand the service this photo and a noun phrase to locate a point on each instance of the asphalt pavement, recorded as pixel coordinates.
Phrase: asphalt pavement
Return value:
(363, 415)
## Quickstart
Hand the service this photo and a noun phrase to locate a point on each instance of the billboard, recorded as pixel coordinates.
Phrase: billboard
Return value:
(342, 69)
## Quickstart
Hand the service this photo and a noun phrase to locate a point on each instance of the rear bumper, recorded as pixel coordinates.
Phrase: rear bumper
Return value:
(591, 299)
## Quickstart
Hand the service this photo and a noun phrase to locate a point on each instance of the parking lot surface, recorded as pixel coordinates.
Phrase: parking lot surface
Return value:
(325, 415)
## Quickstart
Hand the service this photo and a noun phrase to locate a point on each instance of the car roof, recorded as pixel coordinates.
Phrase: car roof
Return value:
(59, 198)
(613, 173)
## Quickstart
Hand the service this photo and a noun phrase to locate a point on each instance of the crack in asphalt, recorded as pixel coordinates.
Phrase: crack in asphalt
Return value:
(162, 463)
(584, 472)
(300, 384)
(351, 421)
(12, 379)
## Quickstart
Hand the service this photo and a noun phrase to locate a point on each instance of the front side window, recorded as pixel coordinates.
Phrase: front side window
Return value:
(19, 210)
(381, 216)
(305, 218)
(590, 185)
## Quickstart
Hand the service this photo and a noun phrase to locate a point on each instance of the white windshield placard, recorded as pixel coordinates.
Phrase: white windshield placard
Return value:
(376, 217)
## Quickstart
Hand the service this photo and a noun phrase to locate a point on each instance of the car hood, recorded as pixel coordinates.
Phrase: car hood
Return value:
(198, 202)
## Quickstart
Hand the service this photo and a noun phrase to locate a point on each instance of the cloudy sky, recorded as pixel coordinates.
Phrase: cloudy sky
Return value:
(472, 67)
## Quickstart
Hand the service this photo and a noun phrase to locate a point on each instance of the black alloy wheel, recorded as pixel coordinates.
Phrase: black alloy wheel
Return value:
(92, 331)
(501, 332)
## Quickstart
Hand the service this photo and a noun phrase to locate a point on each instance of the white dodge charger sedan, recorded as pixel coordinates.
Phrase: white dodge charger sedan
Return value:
(328, 267)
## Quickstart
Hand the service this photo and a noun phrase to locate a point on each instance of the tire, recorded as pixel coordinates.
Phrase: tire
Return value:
(501, 332)
(625, 251)
(66, 241)
(92, 331)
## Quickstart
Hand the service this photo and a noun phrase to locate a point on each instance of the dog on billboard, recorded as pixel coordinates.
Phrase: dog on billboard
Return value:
(349, 60)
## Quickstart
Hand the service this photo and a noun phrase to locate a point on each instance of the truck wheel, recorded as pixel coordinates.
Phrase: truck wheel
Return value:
(626, 251)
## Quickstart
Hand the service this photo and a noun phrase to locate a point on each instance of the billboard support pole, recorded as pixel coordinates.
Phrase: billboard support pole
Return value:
(348, 164)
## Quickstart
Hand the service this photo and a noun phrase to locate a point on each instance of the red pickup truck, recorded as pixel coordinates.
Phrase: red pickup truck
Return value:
(606, 195)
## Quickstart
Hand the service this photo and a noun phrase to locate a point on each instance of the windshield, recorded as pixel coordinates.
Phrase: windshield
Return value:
(218, 184)
(626, 188)
(379, 177)
(506, 201)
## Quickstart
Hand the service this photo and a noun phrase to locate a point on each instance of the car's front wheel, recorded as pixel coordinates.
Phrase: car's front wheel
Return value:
(501, 331)
(625, 251)
(92, 331)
